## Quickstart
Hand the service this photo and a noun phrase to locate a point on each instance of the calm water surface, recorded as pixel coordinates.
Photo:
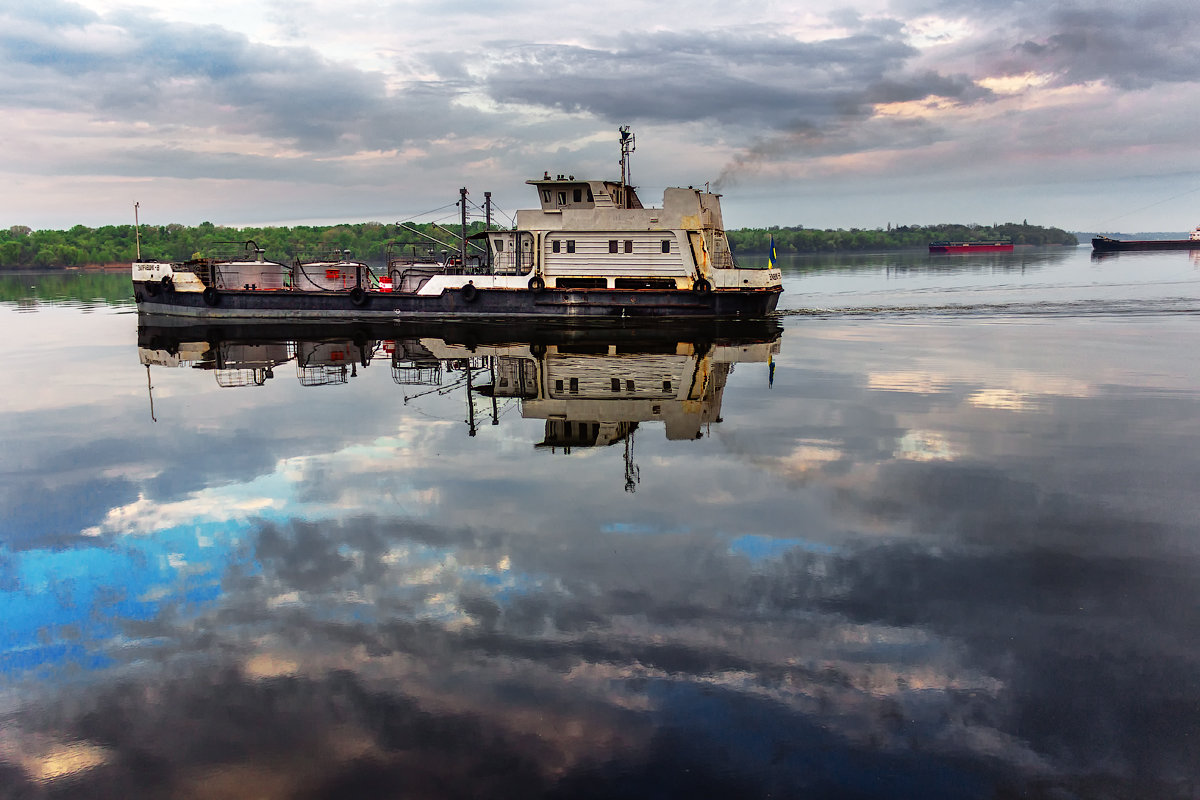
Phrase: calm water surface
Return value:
(934, 532)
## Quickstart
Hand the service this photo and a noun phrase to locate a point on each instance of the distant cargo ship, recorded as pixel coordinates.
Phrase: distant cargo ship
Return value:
(1103, 244)
(971, 247)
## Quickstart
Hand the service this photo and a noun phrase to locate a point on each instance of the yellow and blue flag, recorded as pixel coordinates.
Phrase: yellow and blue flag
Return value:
(773, 257)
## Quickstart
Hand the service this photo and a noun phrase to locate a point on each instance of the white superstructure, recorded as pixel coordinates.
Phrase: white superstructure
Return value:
(598, 235)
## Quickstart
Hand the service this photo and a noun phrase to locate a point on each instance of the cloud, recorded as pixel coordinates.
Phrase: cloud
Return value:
(248, 100)
(1128, 46)
(840, 654)
(830, 603)
(1044, 603)
(182, 79)
(828, 117)
(731, 79)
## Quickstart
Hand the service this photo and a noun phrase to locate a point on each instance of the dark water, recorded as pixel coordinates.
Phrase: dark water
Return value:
(932, 533)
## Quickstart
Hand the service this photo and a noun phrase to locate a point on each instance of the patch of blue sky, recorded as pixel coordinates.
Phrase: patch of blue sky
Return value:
(502, 583)
(517, 585)
(758, 548)
(638, 529)
(493, 580)
(65, 606)
(45, 658)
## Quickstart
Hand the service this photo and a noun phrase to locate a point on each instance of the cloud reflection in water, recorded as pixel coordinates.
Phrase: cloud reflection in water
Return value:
(795, 602)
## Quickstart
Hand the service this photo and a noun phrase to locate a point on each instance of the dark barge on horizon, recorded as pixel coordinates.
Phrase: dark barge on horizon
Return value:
(1104, 244)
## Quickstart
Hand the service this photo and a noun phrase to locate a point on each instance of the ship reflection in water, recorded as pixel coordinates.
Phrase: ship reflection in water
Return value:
(592, 387)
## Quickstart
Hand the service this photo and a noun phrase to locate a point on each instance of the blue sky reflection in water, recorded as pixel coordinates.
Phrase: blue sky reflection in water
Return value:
(946, 552)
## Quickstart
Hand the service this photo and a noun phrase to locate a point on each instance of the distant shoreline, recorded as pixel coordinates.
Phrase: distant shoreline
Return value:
(113, 247)
(124, 266)
(117, 266)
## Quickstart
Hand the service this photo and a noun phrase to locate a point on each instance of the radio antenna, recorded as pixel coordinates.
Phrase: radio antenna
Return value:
(628, 145)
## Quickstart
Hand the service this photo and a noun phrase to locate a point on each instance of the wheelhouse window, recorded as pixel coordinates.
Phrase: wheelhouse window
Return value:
(545, 195)
(612, 245)
(562, 198)
(666, 245)
(578, 195)
(499, 245)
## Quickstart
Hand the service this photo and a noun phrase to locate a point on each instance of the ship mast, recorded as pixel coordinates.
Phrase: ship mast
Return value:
(628, 145)
(462, 204)
(137, 235)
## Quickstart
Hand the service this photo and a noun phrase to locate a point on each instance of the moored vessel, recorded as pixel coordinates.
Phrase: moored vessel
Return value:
(1104, 244)
(1002, 246)
(590, 250)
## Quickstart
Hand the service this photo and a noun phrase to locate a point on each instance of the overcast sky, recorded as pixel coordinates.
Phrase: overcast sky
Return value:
(1076, 114)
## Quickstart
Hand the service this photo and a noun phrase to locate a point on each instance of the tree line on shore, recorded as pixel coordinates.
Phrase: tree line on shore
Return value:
(24, 248)
(798, 240)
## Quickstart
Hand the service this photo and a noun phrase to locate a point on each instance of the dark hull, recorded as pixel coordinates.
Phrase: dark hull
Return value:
(1105, 245)
(569, 304)
(168, 333)
(972, 247)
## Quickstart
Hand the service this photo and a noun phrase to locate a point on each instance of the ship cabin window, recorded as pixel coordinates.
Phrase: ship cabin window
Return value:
(612, 245)
(578, 195)
(666, 245)
(629, 386)
(570, 245)
(574, 385)
(499, 245)
(558, 386)
(556, 246)
(562, 198)
(616, 384)
(666, 386)
(629, 245)
(545, 195)
(590, 198)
